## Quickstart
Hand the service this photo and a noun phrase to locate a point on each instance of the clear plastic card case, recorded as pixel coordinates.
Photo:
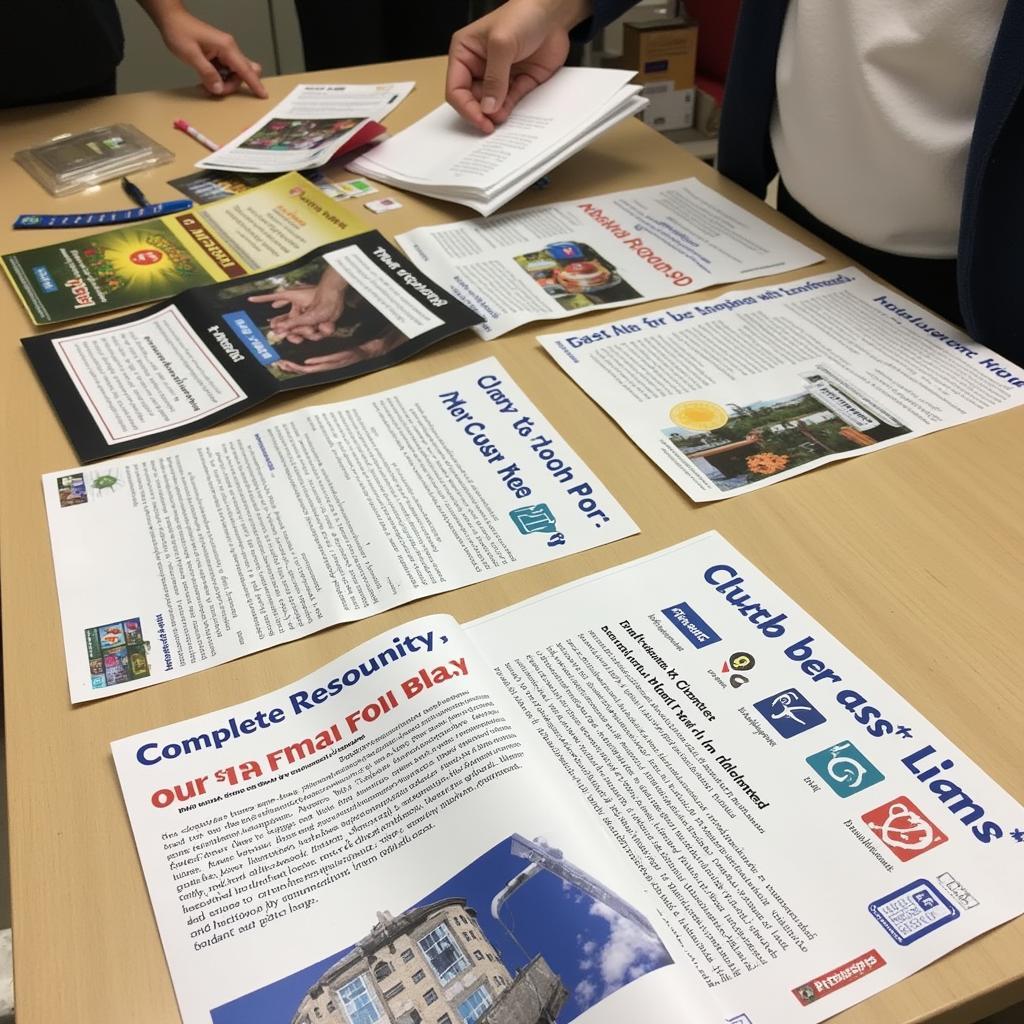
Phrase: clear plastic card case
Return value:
(70, 163)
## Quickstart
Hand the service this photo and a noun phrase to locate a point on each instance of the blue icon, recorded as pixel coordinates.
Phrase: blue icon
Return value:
(691, 625)
(845, 769)
(912, 912)
(533, 519)
(564, 251)
(789, 713)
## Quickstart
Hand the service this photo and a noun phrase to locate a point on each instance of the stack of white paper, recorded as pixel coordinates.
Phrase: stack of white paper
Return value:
(444, 157)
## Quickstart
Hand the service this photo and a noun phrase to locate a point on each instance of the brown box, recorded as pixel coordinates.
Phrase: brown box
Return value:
(661, 50)
(707, 114)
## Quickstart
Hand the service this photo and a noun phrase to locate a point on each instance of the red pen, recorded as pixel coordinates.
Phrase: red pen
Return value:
(184, 126)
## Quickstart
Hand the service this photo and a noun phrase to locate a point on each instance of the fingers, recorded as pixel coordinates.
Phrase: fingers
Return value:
(464, 65)
(232, 58)
(501, 52)
(209, 76)
(276, 299)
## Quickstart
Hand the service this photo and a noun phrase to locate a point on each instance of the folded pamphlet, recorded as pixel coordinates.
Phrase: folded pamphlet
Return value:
(343, 310)
(444, 157)
(153, 259)
(310, 126)
(661, 793)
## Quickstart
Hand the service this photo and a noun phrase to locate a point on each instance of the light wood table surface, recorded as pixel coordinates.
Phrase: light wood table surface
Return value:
(910, 555)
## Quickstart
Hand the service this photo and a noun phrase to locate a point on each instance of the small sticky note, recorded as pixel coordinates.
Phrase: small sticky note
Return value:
(382, 205)
(356, 187)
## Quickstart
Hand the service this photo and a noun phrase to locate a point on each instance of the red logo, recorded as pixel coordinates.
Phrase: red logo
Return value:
(146, 257)
(296, 190)
(903, 828)
(840, 977)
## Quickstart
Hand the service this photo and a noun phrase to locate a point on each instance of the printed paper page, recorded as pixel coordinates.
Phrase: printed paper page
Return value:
(203, 552)
(377, 842)
(307, 127)
(342, 310)
(551, 262)
(807, 836)
(441, 149)
(753, 387)
(154, 259)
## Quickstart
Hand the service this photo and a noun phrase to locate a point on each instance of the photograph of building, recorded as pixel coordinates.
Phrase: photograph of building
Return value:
(431, 965)
(520, 935)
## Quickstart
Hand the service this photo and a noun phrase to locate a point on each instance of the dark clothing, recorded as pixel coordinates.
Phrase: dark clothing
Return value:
(990, 253)
(931, 281)
(338, 35)
(57, 50)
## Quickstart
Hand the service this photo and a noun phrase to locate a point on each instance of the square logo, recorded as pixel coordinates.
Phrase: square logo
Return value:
(904, 829)
(910, 913)
(117, 652)
(844, 769)
(533, 519)
(789, 713)
(71, 490)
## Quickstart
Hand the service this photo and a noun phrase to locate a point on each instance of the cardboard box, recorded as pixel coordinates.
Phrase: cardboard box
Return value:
(707, 112)
(669, 108)
(661, 50)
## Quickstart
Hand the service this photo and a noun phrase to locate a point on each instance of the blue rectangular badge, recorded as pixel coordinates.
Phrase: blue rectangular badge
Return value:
(251, 337)
(691, 625)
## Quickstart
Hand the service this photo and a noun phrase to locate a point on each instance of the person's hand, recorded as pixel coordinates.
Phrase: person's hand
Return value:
(494, 62)
(313, 312)
(206, 49)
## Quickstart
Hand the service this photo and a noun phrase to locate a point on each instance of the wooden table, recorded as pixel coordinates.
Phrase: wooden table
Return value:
(877, 549)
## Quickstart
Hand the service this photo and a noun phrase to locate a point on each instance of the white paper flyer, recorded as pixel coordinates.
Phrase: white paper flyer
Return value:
(660, 793)
(551, 262)
(308, 127)
(753, 387)
(193, 555)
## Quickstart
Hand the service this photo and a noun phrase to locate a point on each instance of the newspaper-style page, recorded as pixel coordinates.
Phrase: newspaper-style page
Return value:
(590, 804)
(154, 259)
(806, 837)
(188, 557)
(554, 261)
(377, 842)
(752, 387)
(344, 309)
(309, 126)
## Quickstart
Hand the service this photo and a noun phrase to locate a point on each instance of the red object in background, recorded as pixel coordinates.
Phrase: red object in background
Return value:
(717, 26)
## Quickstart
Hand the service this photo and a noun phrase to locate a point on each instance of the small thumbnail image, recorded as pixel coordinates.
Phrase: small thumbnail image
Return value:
(518, 936)
(71, 490)
(117, 653)
(576, 275)
(735, 444)
(349, 330)
(282, 133)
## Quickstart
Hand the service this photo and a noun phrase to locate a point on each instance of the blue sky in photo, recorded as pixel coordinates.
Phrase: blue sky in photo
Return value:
(594, 950)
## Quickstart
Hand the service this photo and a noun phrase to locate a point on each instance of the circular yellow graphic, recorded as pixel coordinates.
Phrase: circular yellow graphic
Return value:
(698, 415)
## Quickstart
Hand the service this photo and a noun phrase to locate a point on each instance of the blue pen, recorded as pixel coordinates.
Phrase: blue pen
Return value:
(89, 220)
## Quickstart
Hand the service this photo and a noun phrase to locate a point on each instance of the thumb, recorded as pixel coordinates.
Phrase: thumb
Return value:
(500, 53)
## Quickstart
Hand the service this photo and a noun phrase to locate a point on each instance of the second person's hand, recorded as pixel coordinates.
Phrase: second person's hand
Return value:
(494, 62)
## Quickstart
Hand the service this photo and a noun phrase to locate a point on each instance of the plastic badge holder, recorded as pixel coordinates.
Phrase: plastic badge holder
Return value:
(70, 163)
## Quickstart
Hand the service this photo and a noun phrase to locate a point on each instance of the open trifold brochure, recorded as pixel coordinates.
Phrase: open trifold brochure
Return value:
(444, 157)
(310, 126)
(661, 793)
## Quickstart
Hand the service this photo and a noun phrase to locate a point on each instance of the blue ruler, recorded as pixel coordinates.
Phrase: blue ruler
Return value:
(88, 220)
